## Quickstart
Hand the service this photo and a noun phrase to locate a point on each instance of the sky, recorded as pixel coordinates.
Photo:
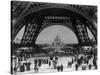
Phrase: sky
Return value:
(19, 35)
(48, 35)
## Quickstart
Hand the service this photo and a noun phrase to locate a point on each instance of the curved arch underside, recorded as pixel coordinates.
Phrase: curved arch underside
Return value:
(48, 34)
(51, 14)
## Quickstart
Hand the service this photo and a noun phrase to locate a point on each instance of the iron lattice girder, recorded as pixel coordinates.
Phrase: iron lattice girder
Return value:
(54, 20)
(82, 34)
(34, 7)
(47, 21)
(18, 26)
(24, 22)
(18, 7)
(29, 33)
(22, 5)
(82, 10)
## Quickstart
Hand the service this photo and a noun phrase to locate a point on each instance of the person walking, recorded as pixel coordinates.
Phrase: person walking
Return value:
(61, 67)
(58, 68)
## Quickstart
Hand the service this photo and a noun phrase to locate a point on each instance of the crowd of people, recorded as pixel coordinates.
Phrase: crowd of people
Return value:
(50, 61)
(83, 61)
(80, 61)
(20, 64)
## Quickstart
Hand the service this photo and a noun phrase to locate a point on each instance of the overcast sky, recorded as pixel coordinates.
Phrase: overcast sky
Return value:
(48, 35)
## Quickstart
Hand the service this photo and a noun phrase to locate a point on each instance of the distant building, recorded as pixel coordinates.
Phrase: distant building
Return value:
(57, 44)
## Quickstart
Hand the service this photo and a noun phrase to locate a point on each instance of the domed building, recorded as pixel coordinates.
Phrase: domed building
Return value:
(57, 44)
